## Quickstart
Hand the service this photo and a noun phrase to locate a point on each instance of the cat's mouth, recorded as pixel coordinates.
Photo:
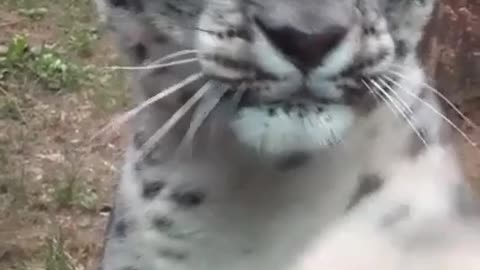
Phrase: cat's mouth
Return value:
(298, 99)
(300, 123)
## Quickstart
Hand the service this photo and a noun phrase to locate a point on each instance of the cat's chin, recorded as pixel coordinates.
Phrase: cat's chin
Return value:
(276, 131)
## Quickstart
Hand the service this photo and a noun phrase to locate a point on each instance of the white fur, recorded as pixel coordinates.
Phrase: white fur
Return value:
(255, 216)
(432, 237)
(287, 133)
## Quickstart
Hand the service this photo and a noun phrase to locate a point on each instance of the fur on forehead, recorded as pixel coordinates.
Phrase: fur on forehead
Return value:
(178, 19)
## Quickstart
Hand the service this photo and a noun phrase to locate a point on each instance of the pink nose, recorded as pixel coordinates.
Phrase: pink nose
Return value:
(304, 50)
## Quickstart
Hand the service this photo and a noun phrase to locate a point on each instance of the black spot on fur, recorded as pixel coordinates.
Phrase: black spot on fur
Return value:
(139, 139)
(173, 254)
(287, 107)
(120, 229)
(370, 30)
(231, 33)
(188, 199)
(119, 3)
(293, 161)
(162, 223)
(244, 34)
(272, 112)
(151, 189)
(368, 184)
(401, 49)
(398, 214)
(135, 5)
(140, 52)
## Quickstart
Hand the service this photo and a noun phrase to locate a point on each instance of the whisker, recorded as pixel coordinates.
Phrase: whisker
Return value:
(162, 59)
(155, 66)
(404, 104)
(125, 117)
(203, 110)
(381, 97)
(442, 96)
(401, 111)
(434, 110)
(152, 142)
(174, 55)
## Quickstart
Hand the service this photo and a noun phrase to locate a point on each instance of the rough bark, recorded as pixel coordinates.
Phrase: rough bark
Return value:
(451, 52)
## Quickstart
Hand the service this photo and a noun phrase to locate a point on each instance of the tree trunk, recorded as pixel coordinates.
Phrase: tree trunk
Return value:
(451, 52)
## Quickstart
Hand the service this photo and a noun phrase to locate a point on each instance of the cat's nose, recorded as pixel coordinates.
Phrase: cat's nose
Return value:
(305, 50)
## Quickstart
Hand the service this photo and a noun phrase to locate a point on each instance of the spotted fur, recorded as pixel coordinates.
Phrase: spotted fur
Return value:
(318, 95)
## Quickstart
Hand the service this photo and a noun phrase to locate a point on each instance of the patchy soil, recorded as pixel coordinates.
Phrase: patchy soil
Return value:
(55, 182)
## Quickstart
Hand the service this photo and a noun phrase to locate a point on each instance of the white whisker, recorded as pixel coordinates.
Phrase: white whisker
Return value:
(404, 104)
(152, 142)
(434, 110)
(163, 59)
(155, 66)
(122, 119)
(174, 55)
(442, 96)
(379, 96)
(205, 107)
(401, 111)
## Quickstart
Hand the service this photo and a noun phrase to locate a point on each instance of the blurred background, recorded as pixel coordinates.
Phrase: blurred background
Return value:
(55, 94)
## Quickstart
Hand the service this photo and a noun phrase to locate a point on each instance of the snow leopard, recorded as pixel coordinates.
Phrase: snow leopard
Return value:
(260, 124)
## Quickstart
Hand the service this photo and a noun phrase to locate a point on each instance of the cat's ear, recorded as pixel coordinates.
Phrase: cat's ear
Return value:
(407, 20)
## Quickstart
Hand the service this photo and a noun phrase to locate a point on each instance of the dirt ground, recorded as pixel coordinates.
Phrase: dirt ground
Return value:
(55, 182)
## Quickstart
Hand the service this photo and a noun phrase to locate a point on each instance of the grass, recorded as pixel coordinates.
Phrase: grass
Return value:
(54, 96)
(44, 65)
(57, 258)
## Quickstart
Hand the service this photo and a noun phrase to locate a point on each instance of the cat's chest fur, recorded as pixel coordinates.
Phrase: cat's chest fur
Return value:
(238, 215)
(239, 219)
